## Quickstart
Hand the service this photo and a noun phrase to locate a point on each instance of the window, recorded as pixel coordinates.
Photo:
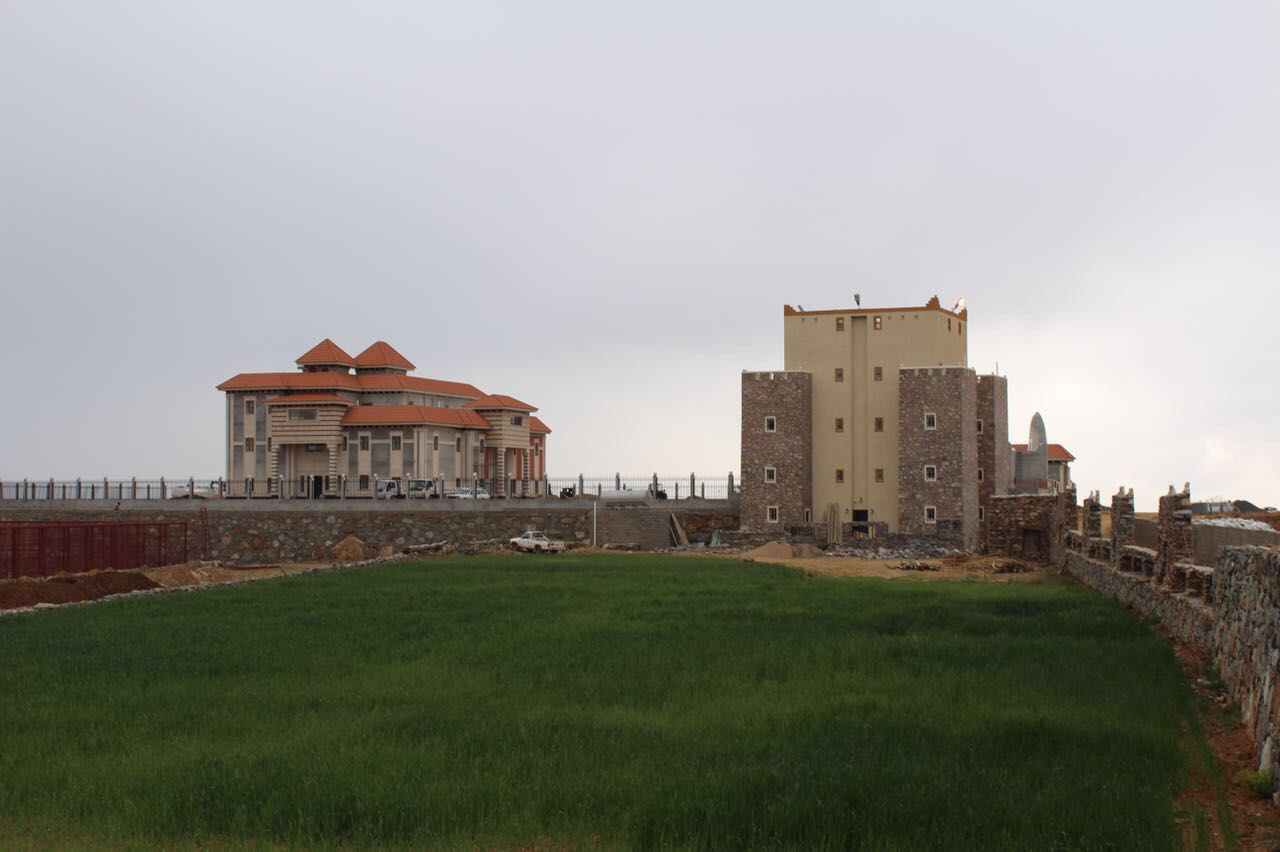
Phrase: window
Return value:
(302, 414)
(517, 420)
(770, 474)
(879, 474)
(876, 324)
(808, 516)
(248, 407)
(457, 444)
(930, 421)
(948, 324)
(839, 374)
(839, 475)
(930, 514)
(982, 475)
(982, 514)
(364, 482)
(268, 445)
(839, 323)
(771, 424)
(839, 424)
(879, 374)
(979, 427)
(395, 442)
(879, 424)
(364, 443)
(248, 445)
(772, 514)
(930, 473)
(435, 442)
(344, 443)
(537, 449)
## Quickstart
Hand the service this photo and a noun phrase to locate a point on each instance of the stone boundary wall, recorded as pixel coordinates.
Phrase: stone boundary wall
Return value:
(310, 531)
(1231, 610)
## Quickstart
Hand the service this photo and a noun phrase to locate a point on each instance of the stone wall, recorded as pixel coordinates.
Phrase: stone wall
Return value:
(1231, 610)
(787, 397)
(950, 395)
(304, 531)
(1030, 526)
(993, 447)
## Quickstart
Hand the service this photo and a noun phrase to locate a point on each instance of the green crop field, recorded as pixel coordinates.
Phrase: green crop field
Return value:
(592, 701)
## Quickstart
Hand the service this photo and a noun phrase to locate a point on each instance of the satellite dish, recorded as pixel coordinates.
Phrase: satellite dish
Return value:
(857, 299)
(959, 304)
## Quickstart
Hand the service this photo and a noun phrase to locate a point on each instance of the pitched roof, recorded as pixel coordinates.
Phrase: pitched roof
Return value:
(1057, 452)
(313, 398)
(382, 354)
(346, 381)
(536, 425)
(326, 352)
(498, 400)
(387, 415)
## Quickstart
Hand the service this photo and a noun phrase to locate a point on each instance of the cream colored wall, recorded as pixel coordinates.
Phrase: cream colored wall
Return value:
(906, 339)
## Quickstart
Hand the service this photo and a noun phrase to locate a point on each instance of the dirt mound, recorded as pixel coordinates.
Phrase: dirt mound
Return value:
(782, 550)
(197, 574)
(70, 588)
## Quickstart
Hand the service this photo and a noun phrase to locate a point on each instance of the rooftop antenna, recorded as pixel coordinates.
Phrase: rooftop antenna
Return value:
(857, 299)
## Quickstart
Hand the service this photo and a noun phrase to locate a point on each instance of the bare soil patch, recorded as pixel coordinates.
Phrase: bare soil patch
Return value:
(966, 567)
(70, 588)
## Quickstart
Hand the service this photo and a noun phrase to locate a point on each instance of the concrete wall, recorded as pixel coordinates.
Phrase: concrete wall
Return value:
(1211, 540)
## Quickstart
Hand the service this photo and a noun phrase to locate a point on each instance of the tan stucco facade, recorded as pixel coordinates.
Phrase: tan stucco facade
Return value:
(854, 357)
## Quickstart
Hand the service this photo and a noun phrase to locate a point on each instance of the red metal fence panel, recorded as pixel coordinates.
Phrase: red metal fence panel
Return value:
(41, 550)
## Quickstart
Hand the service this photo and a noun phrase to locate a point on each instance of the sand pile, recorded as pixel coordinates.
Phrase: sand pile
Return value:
(69, 588)
(782, 550)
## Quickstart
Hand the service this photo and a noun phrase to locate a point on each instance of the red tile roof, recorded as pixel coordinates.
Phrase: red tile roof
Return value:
(497, 400)
(326, 352)
(389, 415)
(536, 425)
(346, 381)
(382, 354)
(1057, 452)
(295, 398)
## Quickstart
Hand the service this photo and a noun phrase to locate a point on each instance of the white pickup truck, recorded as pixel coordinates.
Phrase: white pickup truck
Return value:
(537, 542)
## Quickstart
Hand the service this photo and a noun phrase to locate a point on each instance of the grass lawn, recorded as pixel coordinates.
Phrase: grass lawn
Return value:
(612, 700)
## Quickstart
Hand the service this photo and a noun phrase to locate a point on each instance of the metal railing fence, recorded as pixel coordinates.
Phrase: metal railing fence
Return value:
(664, 486)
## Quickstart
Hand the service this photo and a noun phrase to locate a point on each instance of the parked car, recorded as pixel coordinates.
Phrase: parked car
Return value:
(386, 489)
(422, 489)
(567, 493)
(536, 542)
(469, 494)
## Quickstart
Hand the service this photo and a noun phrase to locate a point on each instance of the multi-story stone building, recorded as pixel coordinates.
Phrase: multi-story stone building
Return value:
(900, 435)
(342, 422)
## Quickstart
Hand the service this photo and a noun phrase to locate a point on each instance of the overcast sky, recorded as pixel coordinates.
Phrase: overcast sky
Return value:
(601, 208)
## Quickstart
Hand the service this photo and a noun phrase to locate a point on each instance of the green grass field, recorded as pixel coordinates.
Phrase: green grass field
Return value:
(579, 701)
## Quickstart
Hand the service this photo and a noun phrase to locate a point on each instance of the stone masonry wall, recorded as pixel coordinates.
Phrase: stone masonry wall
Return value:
(949, 393)
(993, 447)
(304, 531)
(787, 397)
(1230, 610)
(1030, 526)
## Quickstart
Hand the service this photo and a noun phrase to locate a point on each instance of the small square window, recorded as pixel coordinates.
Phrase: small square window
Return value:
(771, 424)
(839, 323)
(876, 324)
(879, 474)
(517, 420)
(982, 475)
(248, 407)
(930, 473)
(248, 445)
(930, 514)
(931, 421)
(879, 424)
(839, 424)
(979, 427)
(772, 514)
(770, 474)
(982, 514)
(395, 442)
(839, 475)
(364, 443)
(839, 374)
(879, 374)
